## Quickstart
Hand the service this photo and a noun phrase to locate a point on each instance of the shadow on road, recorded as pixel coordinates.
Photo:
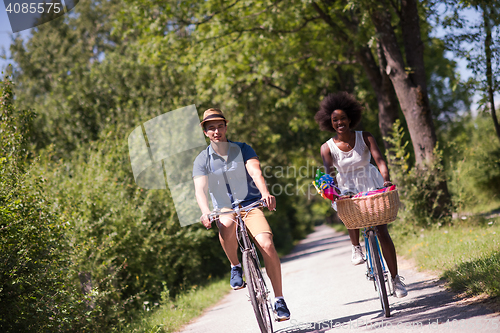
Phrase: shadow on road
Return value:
(434, 307)
(323, 242)
(428, 310)
(412, 287)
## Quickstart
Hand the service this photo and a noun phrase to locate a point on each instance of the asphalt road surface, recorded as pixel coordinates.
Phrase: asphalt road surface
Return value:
(326, 293)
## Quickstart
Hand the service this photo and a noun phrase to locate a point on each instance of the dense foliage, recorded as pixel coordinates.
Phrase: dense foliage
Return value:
(421, 202)
(473, 158)
(476, 41)
(34, 289)
(75, 228)
(128, 239)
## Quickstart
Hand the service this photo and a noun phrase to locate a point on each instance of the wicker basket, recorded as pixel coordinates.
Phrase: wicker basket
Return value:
(369, 211)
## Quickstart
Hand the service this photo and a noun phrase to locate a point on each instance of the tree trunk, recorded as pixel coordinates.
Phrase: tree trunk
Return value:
(489, 71)
(410, 90)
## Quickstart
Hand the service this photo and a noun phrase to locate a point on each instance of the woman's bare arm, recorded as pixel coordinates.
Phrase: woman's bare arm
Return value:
(327, 160)
(377, 155)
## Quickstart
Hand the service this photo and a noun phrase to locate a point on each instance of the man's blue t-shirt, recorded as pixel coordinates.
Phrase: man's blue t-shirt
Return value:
(232, 172)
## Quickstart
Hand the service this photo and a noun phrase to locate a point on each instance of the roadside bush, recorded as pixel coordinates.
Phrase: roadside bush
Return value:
(34, 294)
(420, 188)
(474, 159)
(127, 242)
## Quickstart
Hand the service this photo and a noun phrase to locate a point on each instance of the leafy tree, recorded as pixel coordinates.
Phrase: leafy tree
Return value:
(304, 31)
(52, 68)
(407, 72)
(234, 49)
(478, 43)
(79, 78)
(266, 43)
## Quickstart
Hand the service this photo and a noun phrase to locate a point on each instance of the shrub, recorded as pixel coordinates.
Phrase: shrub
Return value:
(34, 294)
(127, 242)
(474, 159)
(420, 188)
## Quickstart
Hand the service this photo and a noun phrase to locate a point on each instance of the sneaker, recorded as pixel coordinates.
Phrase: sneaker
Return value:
(236, 278)
(357, 255)
(399, 287)
(281, 310)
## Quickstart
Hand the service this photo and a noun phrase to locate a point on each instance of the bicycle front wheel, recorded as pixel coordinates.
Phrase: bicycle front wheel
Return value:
(257, 291)
(378, 273)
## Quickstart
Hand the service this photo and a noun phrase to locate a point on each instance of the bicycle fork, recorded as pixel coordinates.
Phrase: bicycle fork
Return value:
(370, 275)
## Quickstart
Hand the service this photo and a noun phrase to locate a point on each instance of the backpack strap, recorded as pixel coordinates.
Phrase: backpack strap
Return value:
(209, 168)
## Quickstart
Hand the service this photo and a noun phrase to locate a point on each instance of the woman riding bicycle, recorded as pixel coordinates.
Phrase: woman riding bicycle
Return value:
(350, 152)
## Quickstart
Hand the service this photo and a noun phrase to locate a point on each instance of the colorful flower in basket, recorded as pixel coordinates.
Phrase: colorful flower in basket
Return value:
(325, 186)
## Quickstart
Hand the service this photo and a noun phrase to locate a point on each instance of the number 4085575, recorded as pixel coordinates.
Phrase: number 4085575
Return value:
(33, 8)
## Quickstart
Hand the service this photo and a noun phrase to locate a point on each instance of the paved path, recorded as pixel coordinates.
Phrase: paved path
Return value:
(325, 293)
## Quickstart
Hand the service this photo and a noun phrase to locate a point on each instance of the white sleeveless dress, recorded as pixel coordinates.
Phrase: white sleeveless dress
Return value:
(355, 173)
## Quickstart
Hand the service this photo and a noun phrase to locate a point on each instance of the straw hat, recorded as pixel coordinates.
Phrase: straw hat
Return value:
(212, 114)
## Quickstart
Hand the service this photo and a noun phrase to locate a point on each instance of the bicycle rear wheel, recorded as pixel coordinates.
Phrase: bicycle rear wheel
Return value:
(257, 291)
(378, 273)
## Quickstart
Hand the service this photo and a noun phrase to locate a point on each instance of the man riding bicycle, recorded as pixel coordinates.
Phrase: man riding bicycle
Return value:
(231, 172)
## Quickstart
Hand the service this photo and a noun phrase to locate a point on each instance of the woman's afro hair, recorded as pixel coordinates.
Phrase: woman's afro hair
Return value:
(339, 101)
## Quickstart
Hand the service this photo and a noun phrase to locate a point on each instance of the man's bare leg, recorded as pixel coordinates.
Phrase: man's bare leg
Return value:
(227, 237)
(265, 244)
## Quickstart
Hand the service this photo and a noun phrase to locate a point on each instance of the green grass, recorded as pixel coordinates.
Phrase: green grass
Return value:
(466, 254)
(477, 276)
(170, 317)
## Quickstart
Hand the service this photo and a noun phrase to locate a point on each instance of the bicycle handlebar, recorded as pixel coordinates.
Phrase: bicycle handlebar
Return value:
(214, 215)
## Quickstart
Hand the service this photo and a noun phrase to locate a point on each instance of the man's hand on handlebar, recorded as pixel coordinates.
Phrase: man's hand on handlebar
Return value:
(205, 221)
(270, 201)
